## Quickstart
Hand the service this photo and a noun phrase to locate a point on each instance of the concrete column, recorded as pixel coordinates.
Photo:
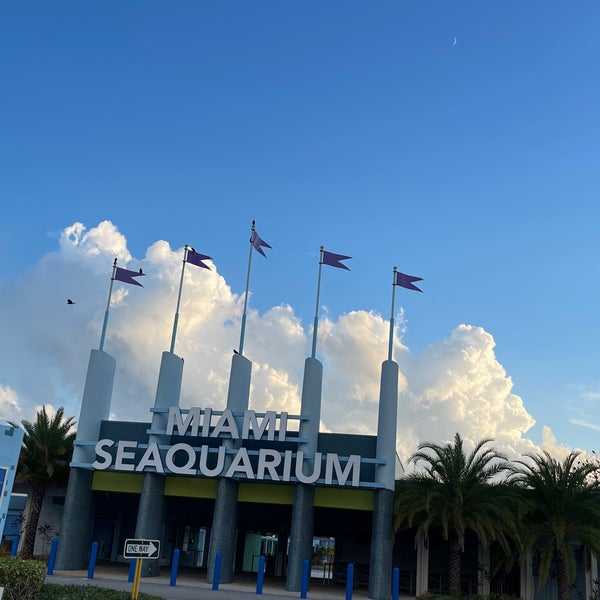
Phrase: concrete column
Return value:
(527, 585)
(302, 526)
(422, 583)
(591, 575)
(382, 543)
(380, 568)
(152, 506)
(78, 516)
(483, 573)
(224, 528)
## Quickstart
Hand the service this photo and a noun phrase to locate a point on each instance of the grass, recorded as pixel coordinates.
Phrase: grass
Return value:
(53, 591)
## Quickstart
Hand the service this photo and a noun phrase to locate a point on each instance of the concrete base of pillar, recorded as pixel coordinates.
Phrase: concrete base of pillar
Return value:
(150, 517)
(224, 530)
(75, 544)
(380, 569)
(301, 535)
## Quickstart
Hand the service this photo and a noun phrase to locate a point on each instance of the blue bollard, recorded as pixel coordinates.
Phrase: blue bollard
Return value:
(92, 564)
(395, 583)
(174, 567)
(132, 565)
(52, 558)
(13, 546)
(261, 574)
(217, 572)
(349, 581)
(305, 576)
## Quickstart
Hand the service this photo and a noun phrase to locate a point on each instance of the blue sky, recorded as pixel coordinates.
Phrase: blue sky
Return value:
(361, 126)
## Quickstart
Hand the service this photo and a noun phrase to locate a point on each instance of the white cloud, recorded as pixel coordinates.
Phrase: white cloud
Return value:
(456, 384)
(9, 405)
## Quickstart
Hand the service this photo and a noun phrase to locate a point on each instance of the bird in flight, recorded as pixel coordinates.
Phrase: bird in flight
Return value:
(69, 301)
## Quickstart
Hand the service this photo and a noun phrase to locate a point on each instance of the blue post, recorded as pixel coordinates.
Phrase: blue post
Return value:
(52, 558)
(305, 575)
(132, 564)
(261, 574)
(349, 581)
(92, 564)
(395, 582)
(174, 567)
(217, 572)
(14, 545)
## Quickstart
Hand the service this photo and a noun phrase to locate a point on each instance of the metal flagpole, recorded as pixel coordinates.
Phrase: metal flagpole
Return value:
(103, 336)
(243, 331)
(176, 320)
(316, 322)
(391, 344)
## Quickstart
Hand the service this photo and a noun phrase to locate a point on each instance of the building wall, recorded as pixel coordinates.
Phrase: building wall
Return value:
(11, 439)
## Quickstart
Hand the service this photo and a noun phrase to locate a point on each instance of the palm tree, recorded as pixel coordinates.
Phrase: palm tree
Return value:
(563, 500)
(455, 492)
(44, 462)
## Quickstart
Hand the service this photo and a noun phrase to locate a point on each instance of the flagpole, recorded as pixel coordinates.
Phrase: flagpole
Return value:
(316, 321)
(391, 344)
(103, 336)
(243, 331)
(176, 319)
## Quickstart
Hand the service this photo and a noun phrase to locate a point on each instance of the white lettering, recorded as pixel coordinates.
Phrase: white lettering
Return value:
(268, 460)
(191, 458)
(204, 470)
(353, 465)
(251, 422)
(241, 463)
(122, 455)
(206, 422)
(151, 458)
(287, 465)
(101, 465)
(302, 478)
(226, 424)
(175, 421)
(282, 426)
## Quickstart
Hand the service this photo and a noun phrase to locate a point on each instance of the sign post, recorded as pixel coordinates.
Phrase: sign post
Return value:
(140, 549)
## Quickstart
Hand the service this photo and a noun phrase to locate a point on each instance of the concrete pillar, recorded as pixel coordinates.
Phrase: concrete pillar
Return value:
(527, 584)
(591, 575)
(152, 506)
(380, 567)
(422, 583)
(483, 572)
(382, 544)
(224, 528)
(301, 534)
(78, 516)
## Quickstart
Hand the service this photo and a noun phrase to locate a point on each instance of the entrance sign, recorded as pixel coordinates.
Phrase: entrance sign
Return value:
(141, 549)
(201, 446)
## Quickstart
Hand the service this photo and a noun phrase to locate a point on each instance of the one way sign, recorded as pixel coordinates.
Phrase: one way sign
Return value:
(141, 549)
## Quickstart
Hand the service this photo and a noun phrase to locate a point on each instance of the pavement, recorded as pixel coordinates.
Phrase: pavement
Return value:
(193, 586)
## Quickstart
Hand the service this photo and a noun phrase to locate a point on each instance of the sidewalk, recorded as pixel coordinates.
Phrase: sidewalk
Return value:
(195, 587)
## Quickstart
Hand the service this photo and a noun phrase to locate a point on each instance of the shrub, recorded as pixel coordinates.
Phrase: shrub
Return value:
(21, 579)
(53, 591)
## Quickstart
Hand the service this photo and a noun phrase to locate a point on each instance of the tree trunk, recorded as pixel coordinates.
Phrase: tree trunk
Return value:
(562, 577)
(31, 525)
(454, 566)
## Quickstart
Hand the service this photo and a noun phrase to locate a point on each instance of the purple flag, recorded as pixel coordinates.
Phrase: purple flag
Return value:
(127, 276)
(196, 258)
(406, 281)
(259, 243)
(333, 260)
